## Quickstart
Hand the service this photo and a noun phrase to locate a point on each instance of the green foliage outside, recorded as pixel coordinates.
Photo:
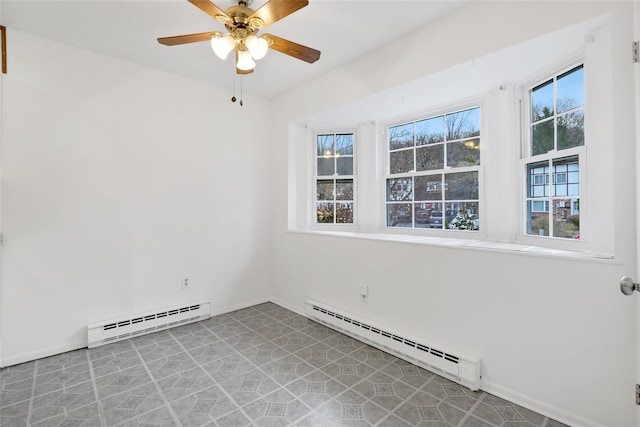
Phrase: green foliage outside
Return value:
(565, 229)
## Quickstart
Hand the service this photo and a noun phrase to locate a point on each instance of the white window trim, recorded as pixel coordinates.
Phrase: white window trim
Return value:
(448, 108)
(524, 88)
(313, 218)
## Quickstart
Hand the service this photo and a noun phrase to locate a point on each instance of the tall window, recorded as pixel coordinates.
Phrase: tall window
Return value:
(334, 178)
(556, 140)
(434, 167)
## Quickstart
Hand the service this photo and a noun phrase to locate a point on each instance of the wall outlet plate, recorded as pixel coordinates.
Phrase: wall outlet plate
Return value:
(363, 289)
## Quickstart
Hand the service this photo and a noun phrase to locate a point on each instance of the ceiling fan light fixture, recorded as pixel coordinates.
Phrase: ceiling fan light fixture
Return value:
(257, 46)
(222, 45)
(245, 62)
(242, 24)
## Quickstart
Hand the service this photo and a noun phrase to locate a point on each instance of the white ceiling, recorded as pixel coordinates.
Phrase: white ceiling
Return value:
(127, 29)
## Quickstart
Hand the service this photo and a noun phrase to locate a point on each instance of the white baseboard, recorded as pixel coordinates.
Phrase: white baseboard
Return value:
(63, 348)
(289, 306)
(240, 306)
(535, 405)
(39, 354)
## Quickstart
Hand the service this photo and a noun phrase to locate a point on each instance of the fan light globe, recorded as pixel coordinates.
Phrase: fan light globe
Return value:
(222, 45)
(245, 63)
(257, 46)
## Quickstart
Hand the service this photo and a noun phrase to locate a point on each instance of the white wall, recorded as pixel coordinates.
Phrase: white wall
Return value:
(116, 181)
(554, 333)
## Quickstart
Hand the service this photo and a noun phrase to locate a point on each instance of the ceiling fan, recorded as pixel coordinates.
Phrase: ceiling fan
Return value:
(243, 24)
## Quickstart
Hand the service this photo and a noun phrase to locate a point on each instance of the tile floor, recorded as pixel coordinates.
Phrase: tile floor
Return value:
(260, 366)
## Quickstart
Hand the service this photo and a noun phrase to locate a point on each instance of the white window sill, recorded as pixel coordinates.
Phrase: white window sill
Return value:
(514, 248)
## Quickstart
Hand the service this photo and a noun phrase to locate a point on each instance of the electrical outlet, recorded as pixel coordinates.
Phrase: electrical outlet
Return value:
(364, 291)
(185, 283)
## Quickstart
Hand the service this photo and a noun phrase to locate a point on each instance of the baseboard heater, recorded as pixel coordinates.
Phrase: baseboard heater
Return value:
(101, 333)
(462, 369)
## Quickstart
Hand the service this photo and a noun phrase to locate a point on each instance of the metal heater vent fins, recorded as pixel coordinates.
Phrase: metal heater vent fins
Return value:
(120, 329)
(446, 356)
(462, 369)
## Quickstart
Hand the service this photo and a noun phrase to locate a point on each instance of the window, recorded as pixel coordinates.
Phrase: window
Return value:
(433, 175)
(556, 147)
(334, 180)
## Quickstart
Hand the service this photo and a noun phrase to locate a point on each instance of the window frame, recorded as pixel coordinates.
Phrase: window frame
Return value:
(446, 109)
(315, 225)
(526, 158)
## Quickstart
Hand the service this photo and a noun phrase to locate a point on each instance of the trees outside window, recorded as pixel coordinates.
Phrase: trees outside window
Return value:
(433, 172)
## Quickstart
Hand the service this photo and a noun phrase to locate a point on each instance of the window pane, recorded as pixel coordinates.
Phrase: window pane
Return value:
(401, 161)
(537, 221)
(430, 157)
(399, 215)
(399, 189)
(465, 124)
(325, 190)
(571, 130)
(542, 138)
(344, 144)
(430, 131)
(401, 136)
(324, 213)
(461, 186)
(462, 216)
(344, 213)
(566, 183)
(538, 179)
(326, 167)
(345, 165)
(421, 213)
(441, 219)
(571, 90)
(429, 187)
(566, 218)
(435, 215)
(463, 153)
(542, 101)
(344, 189)
(325, 145)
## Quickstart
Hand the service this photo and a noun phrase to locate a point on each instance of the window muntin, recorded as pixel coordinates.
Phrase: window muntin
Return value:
(556, 124)
(434, 172)
(334, 181)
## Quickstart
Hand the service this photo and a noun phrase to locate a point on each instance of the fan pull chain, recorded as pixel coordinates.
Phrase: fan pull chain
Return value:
(233, 97)
(241, 90)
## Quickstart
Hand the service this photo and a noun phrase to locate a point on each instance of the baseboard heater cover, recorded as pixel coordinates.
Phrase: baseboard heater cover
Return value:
(106, 332)
(463, 369)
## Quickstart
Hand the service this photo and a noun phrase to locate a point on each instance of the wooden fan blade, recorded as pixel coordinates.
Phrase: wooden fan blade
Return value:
(274, 10)
(210, 9)
(293, 49)
(188, 38)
